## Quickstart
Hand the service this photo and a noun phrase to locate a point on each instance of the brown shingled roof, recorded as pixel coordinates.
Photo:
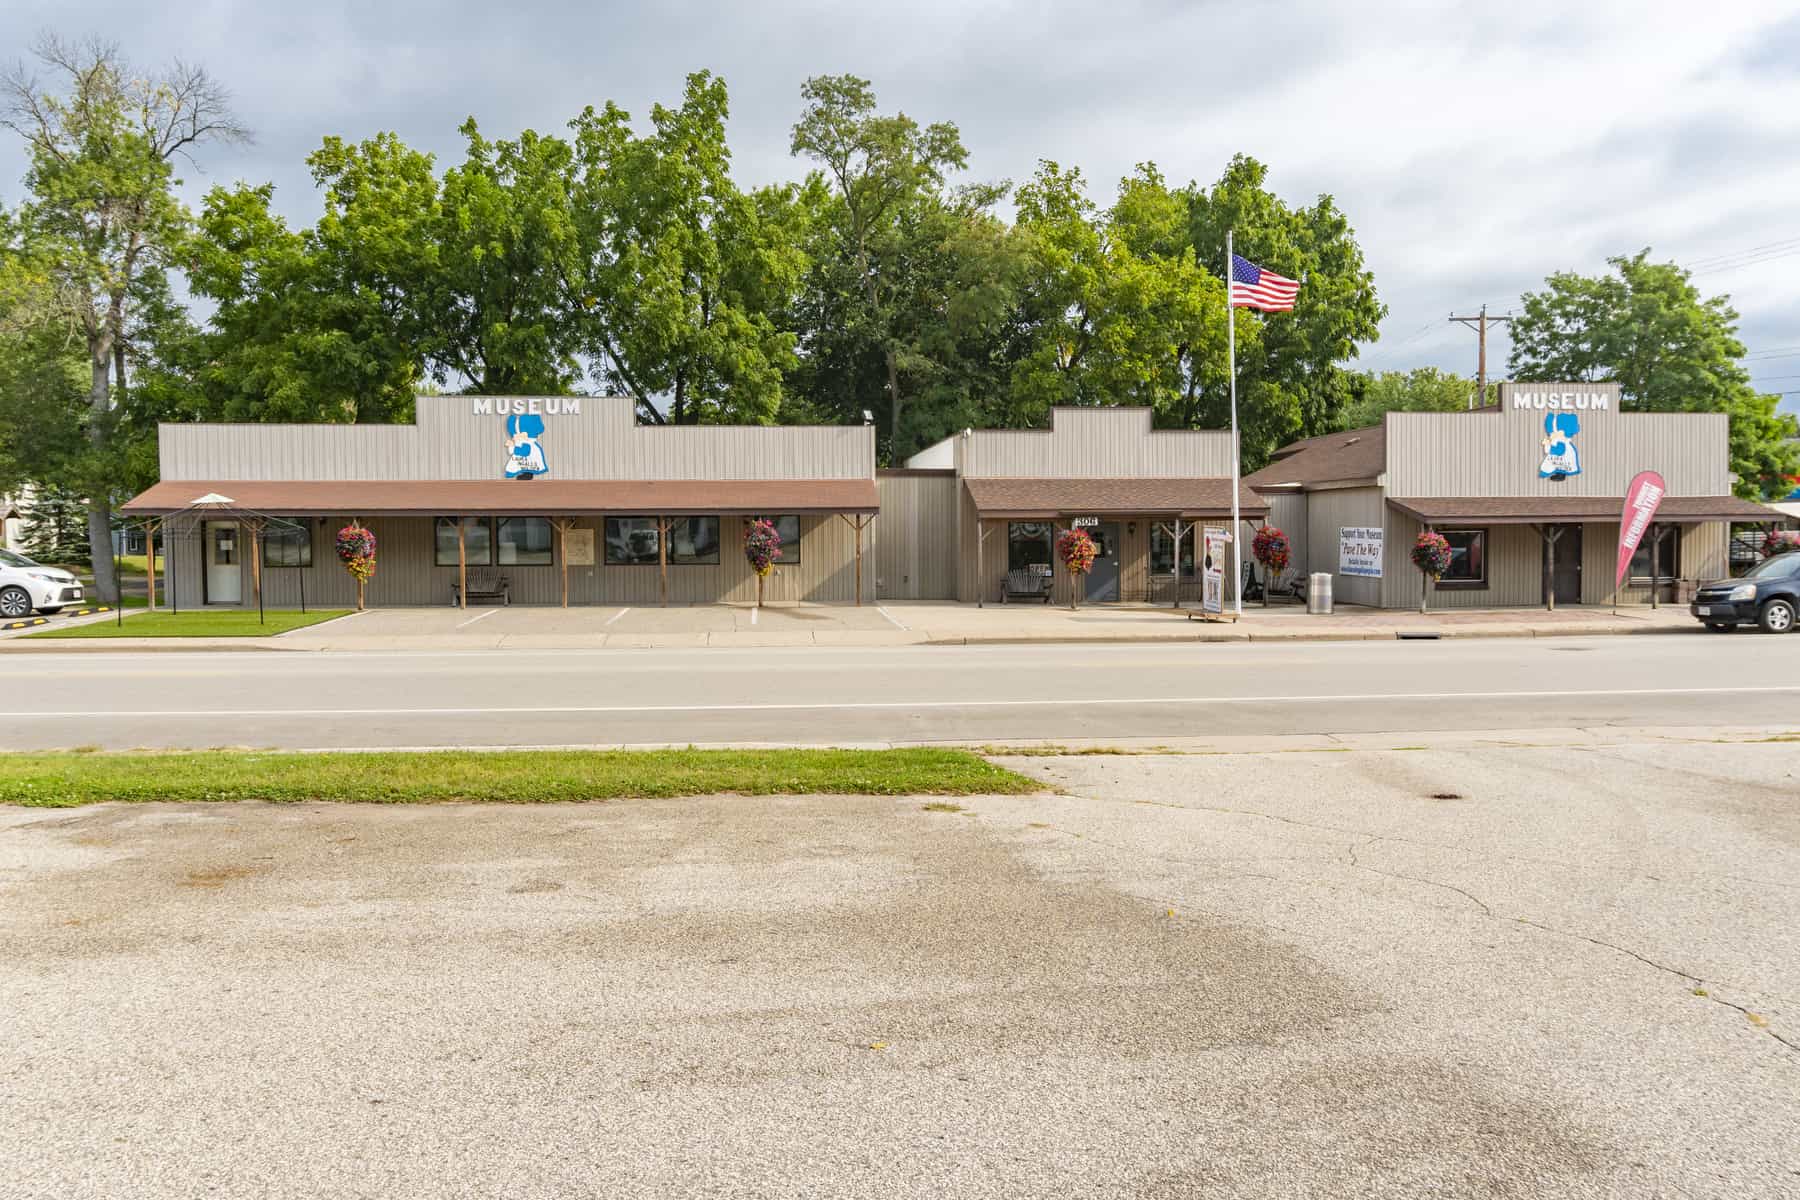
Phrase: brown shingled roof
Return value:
(544, 497)
(1328, 458)
(1038, 497)
(1522, 510)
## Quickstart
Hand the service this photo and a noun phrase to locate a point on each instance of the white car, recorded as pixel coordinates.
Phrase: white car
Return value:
(25, 585)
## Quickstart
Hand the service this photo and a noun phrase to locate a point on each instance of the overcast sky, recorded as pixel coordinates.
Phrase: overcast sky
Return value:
(1475, 148)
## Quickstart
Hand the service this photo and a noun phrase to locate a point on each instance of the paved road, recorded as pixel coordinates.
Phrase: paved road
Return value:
(817, 695)
(1496, 972)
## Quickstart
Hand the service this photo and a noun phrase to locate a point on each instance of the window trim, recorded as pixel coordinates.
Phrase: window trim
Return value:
(1049, 541)
(1185, 540)
(437, 522)
(1467, 585)
(306, 527)
(606, 558)
(494, 535)
(718, 557)
(1671, 571)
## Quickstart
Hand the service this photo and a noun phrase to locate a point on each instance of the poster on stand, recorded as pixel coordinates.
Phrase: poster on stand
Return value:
(1212, 572)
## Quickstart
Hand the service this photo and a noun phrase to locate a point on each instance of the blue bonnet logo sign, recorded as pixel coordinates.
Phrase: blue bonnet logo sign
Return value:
(1561, 458)
(524, 449)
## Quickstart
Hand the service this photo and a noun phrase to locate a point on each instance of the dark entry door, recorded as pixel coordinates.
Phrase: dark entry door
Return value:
(1103, 580)
(1566, 581)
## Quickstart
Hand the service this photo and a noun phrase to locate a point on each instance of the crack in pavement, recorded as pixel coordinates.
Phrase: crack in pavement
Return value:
(1695, 982)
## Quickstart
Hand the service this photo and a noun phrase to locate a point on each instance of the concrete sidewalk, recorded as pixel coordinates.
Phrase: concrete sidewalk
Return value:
(890, 624)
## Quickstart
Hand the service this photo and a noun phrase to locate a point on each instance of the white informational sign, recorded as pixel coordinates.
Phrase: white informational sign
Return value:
(578, 547)
(1212, 572)
(1084, 522)
(1359, 551)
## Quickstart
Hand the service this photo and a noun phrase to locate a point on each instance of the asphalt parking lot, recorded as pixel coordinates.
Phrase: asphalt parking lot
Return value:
(1503, 971)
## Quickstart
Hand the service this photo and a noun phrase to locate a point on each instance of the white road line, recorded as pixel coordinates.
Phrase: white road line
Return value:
(890, 616)
(490, 612)
(615, 616)
(829, 706)
(755, 613)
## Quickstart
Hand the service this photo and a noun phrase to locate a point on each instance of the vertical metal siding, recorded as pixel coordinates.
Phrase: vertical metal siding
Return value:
(916, 536)
(1288, 513)
(1326, 513)
(1097, 443)
(1498, 453)
(448, 441)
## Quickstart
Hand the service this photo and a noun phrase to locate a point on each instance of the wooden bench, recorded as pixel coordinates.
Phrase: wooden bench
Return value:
(1026, 583)
(485, 584)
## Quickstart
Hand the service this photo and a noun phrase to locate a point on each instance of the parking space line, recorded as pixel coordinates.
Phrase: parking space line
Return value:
(490, 612)
(894, 621)
(615, 616)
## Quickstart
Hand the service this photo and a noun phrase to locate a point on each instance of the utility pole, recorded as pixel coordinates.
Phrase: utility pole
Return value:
(1479, 323)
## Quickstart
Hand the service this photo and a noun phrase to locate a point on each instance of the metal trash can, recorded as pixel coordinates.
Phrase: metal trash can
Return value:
(1318, 592)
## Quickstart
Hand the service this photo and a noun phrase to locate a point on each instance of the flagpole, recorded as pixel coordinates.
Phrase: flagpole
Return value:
(1237, 549)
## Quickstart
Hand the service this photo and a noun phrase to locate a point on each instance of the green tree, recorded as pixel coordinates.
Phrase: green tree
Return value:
(1294, 383)
(877, 167)
(683, 276)
(1120, 310)
(1646, 327)
(1423, 389)
(56, 528)
(101, 216)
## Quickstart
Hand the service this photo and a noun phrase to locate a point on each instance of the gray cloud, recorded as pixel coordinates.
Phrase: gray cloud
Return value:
(1475, 151)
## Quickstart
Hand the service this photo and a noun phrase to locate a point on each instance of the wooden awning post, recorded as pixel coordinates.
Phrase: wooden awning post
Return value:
(980, 567)
(1655, 564)
(150, 529)
(859, 522)
(662, 556)
(562, 525)
(462, 564)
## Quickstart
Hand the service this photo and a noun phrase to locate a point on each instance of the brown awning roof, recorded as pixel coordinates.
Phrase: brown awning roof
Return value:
(1041, 498)
(1328, 458)
(536, 497)
(1524, 510)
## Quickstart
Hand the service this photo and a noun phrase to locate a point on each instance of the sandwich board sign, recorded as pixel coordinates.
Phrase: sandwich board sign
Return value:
(1212, 572)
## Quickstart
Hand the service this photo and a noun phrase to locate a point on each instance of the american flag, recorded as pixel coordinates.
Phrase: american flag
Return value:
(1253, 287)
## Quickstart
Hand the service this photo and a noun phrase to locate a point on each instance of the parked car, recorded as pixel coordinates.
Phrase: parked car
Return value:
(1767, 595)
(25, 585)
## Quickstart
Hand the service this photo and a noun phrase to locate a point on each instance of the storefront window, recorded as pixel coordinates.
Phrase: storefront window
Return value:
(1468, 558)
(1028, 545)
(630, 541)
(288, 545)
(1668, 556)
(1162, 550)
(788, 528)
(477, 542)
(693, 540)
(524, 541)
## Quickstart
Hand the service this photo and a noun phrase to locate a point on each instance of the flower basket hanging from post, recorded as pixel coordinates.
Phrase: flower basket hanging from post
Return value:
(1431, 554)
(762, 548)
(1270, 548)
(1077, 551)
(356, 549)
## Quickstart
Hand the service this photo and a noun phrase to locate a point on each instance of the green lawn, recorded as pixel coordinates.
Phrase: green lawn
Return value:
(513, 777)
(217, 623)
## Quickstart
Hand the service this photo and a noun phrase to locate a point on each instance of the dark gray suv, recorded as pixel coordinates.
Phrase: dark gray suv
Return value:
(1767, 595)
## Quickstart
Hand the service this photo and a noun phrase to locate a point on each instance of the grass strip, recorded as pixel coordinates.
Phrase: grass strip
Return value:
(64, 780)
(227, 623)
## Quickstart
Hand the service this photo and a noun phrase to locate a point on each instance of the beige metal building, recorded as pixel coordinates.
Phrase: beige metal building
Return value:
(996, 499)
(1528, 494)
(532, 494)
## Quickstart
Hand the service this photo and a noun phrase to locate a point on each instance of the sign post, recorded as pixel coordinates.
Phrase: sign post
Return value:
(1642, 499)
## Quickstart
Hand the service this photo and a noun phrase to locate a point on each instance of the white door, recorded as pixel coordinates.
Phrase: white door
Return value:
(224, 563)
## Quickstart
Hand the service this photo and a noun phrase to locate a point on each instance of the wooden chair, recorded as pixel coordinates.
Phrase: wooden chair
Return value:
(485, 585)
(1025, 583)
